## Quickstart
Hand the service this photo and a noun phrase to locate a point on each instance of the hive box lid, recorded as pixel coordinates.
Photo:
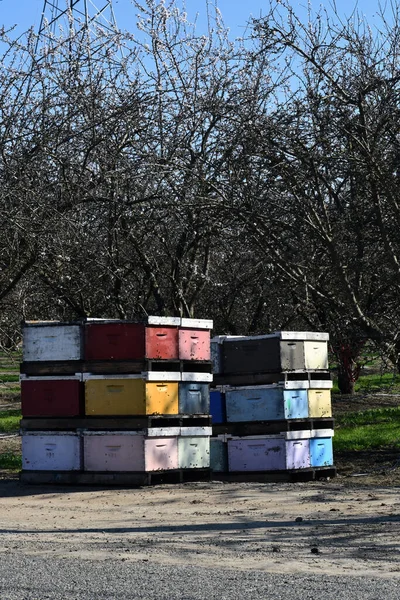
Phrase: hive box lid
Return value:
(90, 376)
(76, 377)
(220, 339)
(196, 431)
(199, 377)
(322, 433)
(46, 433)
(314, 336)
(309, 434)
(161, 375)
(87, 433)
(197, 323)
(50, 323)
(168, 321)
(163, 431)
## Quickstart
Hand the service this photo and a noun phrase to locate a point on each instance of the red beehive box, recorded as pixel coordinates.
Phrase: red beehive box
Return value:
(162, 343)
(194, 344)
(114, 340)
(51, 397)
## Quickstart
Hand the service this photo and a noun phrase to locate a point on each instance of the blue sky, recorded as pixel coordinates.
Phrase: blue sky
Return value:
(26, 13)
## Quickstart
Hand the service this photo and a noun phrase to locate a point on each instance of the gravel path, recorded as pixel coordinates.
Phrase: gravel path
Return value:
(31, 578)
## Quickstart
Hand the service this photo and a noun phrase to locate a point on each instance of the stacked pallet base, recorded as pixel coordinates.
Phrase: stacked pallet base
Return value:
(128, 478)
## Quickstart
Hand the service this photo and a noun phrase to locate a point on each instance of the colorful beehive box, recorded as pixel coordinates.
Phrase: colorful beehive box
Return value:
(194, 398)
(287, 451)
(298, 454)
(194, 344)
(217, 406)
(162, 343)
(321, 448)
(319, 403)
(257, 454)
(265, 403)
(129, 451)
(218, 455)
(114, 395)
(295, 404)
(51, 451)
(129, 395)
(106, 340)
(281, 351)
(51, 341)
(162, 398)
(253, 403)
(60, 396)
(162, 338)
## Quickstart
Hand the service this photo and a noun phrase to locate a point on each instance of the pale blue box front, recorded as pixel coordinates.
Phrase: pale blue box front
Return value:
(321, 452)
(295, 404)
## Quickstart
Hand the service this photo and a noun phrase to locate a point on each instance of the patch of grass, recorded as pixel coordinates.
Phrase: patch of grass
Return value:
(373, 416)
(10, 461)
(10, 360)
(369, 429)
(367, 437)
(378, 382)
(9, 421)
(8, 378)
(374, 382)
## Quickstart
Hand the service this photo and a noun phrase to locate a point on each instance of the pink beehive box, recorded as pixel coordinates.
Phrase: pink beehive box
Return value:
(129, 451)
(194, 344)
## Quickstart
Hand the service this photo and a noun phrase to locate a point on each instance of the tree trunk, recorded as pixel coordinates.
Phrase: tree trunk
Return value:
(347, 355)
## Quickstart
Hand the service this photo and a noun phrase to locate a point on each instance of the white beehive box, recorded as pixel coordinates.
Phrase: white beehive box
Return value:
(51, 451)
(51, 342)
(194, 452)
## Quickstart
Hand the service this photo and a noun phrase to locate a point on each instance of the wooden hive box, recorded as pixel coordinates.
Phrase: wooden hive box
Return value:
(56, 396)
(51, 451)
(51, 341)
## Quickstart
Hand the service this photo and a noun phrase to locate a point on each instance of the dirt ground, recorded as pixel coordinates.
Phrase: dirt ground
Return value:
(329, 528)
(349, 524)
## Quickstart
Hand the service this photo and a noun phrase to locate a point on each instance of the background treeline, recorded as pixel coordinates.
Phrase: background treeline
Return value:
(254, 182)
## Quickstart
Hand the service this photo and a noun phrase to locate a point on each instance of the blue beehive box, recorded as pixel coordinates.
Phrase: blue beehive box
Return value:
(217, 406)
(254, 404)
(295, 403)
(321, 452)
(263, 403)
(194, 398)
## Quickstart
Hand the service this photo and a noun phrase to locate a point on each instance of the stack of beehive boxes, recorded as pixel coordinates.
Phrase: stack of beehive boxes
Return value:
(116, 401)
(271, 405)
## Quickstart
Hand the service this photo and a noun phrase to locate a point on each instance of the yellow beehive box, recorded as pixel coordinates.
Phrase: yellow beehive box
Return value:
(162, 398)
(129, 395)
(113, 396)
(319, 403)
